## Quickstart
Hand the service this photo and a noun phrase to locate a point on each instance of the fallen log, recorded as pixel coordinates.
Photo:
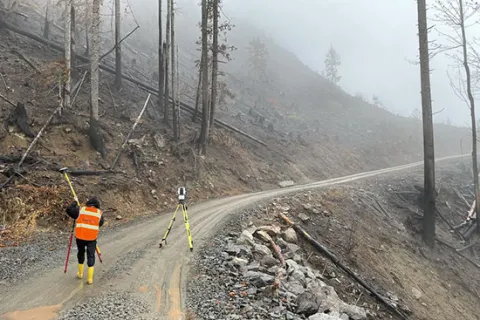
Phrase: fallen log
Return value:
(458, 253)
(8, 101)
(339, 264)
(277, 252)
(449, 224)
(92, 172)
(142, 85)
(130, 133)
(120, 42)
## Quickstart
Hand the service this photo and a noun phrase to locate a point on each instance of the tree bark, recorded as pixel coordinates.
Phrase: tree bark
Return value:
(471, 100)
(166, 111)
(46, 24)
(68, 53)
(202, 143)
(73, 36)
(118, 47)
(197, 96)
(428, 140)
(94, 74)
(213, 99)
(176, 136)
(161, 76)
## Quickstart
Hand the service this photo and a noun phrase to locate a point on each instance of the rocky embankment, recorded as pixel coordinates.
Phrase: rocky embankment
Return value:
(261, 273)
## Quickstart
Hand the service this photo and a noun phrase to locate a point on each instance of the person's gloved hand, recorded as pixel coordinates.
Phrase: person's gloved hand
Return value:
(74, 204)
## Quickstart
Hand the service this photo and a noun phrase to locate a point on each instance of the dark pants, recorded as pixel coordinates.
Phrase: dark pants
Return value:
(91, 247)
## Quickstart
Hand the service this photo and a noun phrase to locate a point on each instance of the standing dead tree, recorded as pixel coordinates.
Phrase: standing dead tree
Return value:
(118, 47)
(68, 53)
(205, 128)
(428, 141)
(167, 49)
(455, 15)
(213, 102)
(161, 63)
(175, 107)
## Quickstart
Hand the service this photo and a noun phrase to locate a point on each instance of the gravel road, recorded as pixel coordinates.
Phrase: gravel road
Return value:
(134, 266)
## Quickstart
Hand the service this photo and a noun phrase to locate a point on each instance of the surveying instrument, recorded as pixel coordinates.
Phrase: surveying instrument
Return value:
(182, 194)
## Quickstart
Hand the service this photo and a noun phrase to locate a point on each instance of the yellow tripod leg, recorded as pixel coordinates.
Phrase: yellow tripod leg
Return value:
(187, 227)
(169, 228)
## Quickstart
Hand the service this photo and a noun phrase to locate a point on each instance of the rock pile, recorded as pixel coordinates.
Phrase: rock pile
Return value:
(263, 275)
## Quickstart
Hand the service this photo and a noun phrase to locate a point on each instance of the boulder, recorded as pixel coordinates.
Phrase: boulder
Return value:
(302, 216)
(239, 262)
(245, 238)
(290, 235)
(263, 236)
(329, 301)
(260, 251)
(269, 261)
(307, 304)
(273, 230)
(286, 183)
(259, 279)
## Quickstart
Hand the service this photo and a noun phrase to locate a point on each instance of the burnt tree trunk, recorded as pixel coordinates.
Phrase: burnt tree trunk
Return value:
(202, 142)
(19, 118)
(213, 99)
(471, 100)
(428, 140)
(166, 115)
(161, 71)
(118, 47)
(197, 96)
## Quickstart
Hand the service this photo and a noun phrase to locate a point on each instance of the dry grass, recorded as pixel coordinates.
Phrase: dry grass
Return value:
(23, 205)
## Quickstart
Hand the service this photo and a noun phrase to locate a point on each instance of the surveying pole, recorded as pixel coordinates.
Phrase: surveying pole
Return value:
(182, 194)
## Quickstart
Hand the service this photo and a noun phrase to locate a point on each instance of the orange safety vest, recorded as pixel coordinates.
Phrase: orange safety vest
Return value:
(87, 223)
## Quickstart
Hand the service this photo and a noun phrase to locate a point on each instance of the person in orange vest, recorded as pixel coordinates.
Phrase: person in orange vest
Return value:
(88, 220)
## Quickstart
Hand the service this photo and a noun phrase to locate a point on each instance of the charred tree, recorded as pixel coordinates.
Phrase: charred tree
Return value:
(73, 43)
(471, 101)
(204, 131)
(46, 24)
(19, 118)
(428, 140)
(95, 132)
(213, 99)
(161, 75)
(118, 47)
(167, 50)
(68, 53)
(176, 131)
(197, 96)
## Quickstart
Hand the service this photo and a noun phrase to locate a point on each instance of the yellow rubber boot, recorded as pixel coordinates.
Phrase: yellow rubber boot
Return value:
(90, 275)
(80, 271)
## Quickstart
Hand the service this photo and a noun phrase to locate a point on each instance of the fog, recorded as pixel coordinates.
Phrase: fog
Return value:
(376, 39)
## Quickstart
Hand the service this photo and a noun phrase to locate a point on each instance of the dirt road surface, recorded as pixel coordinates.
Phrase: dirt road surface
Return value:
(133, 262)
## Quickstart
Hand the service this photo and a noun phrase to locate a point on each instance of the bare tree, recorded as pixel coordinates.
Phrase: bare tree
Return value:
(204, 132)
(161, 76)
(68, 53)
(73, 36)
(213, 100)
(454, 14)
(428, 141)
(166, 114)
(118, 47)
(94, 73)
(175, 119)
(46, 24)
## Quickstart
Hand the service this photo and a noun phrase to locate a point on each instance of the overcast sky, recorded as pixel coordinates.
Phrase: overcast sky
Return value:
(375, 39)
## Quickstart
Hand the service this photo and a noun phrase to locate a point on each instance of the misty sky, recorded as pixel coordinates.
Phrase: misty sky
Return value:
(375, 39)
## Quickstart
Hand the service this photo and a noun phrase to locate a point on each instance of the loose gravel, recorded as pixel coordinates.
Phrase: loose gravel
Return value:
(112, 305)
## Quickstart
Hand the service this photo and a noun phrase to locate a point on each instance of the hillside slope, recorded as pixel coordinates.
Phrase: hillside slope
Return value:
(328, 139)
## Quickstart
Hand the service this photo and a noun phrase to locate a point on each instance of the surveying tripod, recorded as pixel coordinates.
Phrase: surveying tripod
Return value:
(181, 204)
